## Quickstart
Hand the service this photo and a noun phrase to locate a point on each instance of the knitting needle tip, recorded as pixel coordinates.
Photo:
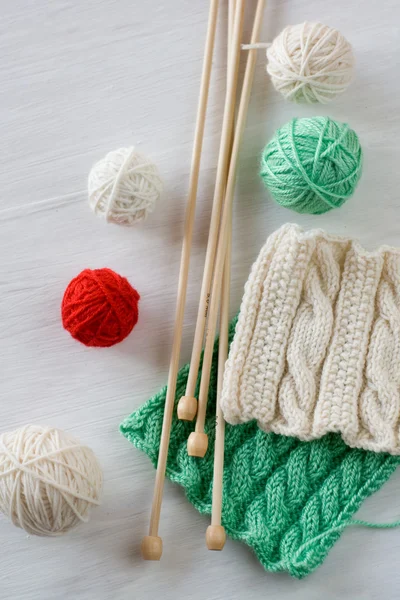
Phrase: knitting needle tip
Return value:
(151, 547)
(197, 444)
(187, 408)
(215, 537)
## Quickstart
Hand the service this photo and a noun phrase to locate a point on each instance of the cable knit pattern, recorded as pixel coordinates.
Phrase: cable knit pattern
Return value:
(288, 500)
(380, 400)
(316, 347)
(308, 341)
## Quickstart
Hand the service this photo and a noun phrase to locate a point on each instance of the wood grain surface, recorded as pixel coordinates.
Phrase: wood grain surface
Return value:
(78, 79)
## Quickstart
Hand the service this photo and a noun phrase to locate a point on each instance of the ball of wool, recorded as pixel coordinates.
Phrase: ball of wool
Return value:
(48, 480)
(310, 62)
(124, 187)
(312, 165)
(99, 307)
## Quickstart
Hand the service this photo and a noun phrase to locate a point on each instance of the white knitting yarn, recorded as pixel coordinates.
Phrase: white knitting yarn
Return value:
(48, 480)
(310, 62)
(124, 187)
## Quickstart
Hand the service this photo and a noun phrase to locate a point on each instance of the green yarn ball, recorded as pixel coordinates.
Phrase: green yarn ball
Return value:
(312, 165)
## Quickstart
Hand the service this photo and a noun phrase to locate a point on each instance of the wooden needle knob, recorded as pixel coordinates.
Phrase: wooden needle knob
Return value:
(197, 444)
(151, 547)
(215, 537)
(187, 408)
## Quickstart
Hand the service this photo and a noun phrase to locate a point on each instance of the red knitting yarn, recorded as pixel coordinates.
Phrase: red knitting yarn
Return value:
(99, 307)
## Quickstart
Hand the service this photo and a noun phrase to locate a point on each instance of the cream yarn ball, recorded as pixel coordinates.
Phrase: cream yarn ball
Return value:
(310, 63)
(48, 480)
(124, 187)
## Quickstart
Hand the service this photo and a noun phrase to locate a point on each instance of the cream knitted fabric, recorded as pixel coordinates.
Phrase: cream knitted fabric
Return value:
(317, 343)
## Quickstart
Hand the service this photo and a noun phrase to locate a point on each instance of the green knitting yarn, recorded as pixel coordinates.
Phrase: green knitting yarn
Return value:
(312, 165)
(288, 500)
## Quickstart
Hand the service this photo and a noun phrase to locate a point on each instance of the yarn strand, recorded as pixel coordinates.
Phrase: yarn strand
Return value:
(362, 523)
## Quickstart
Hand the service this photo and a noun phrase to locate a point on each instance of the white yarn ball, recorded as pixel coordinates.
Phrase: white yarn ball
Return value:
(310, 63)
(124, 187)
(48, 480)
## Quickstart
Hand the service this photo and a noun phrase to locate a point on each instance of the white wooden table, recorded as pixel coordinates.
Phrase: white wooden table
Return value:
(78, 79)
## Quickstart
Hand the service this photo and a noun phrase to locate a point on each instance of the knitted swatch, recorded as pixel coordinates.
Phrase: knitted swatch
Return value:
(288, 500)
(317, 344)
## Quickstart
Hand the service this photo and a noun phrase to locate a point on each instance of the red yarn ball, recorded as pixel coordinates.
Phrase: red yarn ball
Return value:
(100, 308)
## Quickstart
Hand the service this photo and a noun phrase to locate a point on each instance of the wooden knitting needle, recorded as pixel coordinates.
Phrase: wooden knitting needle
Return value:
(215, 534)
(151, 547)
(198, 438)
(187, 406)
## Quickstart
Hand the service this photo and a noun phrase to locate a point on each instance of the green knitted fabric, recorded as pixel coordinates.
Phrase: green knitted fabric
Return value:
(288, 500)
